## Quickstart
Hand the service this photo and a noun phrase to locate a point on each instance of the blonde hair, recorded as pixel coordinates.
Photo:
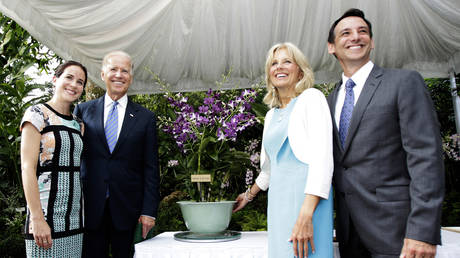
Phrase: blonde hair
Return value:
(307, 81)
(117, 53)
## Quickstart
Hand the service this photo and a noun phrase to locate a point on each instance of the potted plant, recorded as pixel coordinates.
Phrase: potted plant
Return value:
(206, 130)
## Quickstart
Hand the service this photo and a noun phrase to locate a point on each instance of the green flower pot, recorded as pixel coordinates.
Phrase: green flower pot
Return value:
(206, 217)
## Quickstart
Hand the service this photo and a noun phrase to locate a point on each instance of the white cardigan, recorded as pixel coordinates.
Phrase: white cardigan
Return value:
(310, 137)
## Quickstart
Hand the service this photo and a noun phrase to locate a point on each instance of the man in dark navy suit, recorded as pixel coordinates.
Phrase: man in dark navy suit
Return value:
(119, 168)
(388, 169)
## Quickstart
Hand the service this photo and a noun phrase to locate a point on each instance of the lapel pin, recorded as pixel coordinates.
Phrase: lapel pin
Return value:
(131, 115)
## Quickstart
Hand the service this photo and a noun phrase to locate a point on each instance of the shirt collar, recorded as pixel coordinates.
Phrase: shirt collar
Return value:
(122, 102)
(360, 76)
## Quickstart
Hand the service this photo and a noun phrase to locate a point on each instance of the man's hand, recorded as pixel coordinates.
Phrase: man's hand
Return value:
(147, 224)
(417, 249)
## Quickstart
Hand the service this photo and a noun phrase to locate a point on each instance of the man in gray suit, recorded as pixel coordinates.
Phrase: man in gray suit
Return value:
(389, 173)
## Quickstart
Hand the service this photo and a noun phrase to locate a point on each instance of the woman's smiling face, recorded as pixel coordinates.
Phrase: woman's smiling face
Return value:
(284, 72)
(69, 85)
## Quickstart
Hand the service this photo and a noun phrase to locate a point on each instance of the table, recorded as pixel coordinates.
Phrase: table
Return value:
(251, 245)
(450, 248)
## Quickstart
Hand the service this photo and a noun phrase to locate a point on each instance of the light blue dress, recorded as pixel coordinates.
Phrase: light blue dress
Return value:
(288, 177)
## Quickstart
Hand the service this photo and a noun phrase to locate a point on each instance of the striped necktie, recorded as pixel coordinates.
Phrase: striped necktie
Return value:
(347, 111)
(111, 127)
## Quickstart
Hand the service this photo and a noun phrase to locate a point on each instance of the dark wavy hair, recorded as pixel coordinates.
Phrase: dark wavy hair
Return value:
(61, 68)
(350, 13)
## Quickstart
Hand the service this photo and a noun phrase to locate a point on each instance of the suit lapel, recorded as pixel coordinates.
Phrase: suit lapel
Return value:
(98, 111)
(371, 85)
(129, 121)
(332, 104)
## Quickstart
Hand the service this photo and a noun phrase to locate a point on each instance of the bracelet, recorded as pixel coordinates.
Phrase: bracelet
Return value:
(248, 196)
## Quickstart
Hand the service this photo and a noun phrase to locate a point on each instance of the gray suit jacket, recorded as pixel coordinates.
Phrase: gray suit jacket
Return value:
(389, 176)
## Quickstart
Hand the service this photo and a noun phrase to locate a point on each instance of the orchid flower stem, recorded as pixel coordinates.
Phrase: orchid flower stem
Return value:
(202, 193)
(221, 145)
(199, 191)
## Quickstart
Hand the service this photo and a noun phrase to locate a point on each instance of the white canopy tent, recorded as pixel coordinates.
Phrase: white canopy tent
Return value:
(190, 43)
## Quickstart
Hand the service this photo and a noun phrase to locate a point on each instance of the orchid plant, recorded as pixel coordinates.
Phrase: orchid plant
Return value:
(206, 131)
(451, 146)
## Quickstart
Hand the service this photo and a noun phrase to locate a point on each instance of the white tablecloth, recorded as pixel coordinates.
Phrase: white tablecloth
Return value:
(450, 247)
(250, 245)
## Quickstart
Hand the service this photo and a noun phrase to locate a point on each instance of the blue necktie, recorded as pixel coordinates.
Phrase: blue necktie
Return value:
(347, 110)
(111, 126)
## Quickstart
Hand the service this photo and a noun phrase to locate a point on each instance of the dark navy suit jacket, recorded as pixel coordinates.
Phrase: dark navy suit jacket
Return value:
(130, 171)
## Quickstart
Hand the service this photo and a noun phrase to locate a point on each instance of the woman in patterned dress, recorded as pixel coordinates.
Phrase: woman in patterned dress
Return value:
(51, 146)
(296, 159)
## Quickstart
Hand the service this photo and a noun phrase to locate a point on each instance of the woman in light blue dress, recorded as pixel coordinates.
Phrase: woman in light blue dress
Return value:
(296, 159)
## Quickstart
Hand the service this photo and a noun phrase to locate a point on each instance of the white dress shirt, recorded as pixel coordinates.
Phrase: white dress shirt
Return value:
(359, 78)
(121, 108)
(310, 138)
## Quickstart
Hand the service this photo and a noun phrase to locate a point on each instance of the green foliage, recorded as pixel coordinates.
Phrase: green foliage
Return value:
(251, 220)
(92, 91)
(253, 217)
(11, 223)
(451, 209)
(325, 88)
(170, 180)
(12, 241)
(441, 94)
(18, 52)
(170, 217)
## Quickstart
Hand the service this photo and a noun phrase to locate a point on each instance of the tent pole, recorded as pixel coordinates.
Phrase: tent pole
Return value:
(455, 99)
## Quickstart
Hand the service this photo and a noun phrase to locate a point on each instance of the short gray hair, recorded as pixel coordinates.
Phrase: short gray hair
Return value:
(117, 53)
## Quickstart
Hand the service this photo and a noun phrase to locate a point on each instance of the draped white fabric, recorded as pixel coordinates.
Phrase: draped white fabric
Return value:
(190, 43)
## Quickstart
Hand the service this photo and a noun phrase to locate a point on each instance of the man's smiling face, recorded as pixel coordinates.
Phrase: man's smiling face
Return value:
(117, 75)
(352, 42)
